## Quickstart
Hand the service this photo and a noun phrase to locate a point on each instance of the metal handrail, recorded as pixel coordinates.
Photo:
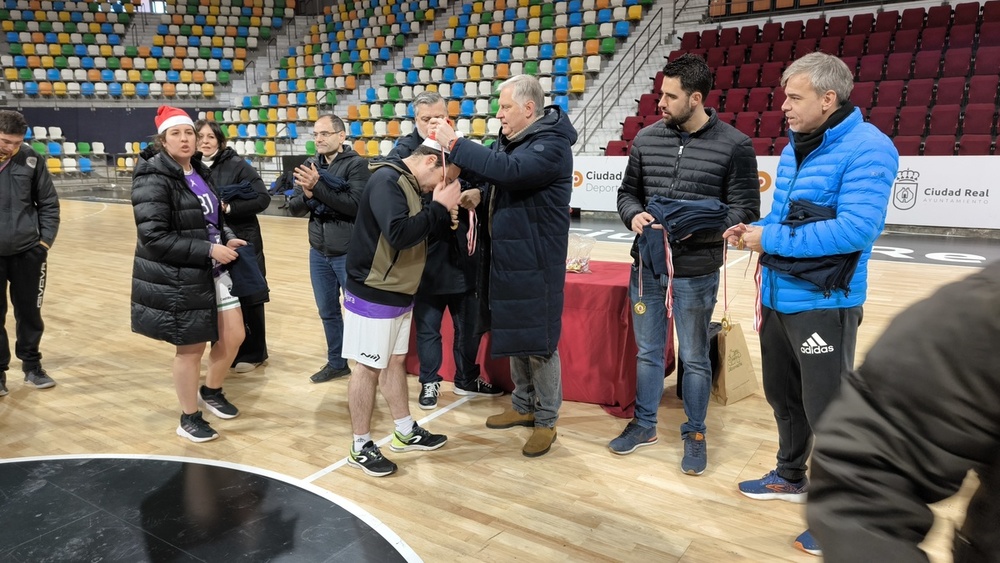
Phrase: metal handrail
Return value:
(592, 115)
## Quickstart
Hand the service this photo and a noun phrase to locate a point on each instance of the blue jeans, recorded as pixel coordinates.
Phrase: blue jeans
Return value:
(694, 303)
(428, 310)
(328, 275)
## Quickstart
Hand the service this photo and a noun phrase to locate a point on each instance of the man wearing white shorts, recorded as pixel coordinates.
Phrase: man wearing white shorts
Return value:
(385, 261)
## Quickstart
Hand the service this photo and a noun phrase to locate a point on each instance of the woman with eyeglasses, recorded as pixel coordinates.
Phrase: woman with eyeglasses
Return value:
(180, 286)
(243, 196)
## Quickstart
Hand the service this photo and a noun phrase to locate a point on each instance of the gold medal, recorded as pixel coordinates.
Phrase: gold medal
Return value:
(639, 308)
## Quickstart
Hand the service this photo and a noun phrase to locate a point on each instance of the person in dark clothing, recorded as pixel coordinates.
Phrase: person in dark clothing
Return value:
(530, 169)
(907, 426)
(180, 285)
(28, 228)
(228, 171)
(385, 263)
(688, 155)
(328, 187)
(808, 334)
(449, 280)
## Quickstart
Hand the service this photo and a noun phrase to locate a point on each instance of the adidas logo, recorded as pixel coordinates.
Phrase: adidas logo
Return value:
(816, 345)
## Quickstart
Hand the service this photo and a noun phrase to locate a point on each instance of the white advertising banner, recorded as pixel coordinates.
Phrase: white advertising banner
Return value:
(931, 191)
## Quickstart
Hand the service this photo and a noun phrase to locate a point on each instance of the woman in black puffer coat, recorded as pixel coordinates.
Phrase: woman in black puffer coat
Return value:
(230, 170)
(180, 287)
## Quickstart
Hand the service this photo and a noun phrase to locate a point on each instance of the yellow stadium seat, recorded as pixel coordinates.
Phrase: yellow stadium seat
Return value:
(270, 148)
(60, 88)
(372, 147)
(577, 83)
(54, 165)
(272, 130)
(128, 89)
(208, 90)
(312, 113)
(367, 129)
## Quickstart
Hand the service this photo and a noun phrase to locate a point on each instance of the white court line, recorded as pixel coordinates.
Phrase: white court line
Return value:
(384, 441)
(377, 525)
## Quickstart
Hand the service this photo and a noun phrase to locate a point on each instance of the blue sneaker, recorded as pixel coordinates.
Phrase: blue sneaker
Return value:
(772, 486)
(633, 438)
(695, 454)
(807, 543)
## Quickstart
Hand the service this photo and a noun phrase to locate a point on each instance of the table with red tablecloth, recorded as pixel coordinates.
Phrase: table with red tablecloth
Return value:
(597, 348)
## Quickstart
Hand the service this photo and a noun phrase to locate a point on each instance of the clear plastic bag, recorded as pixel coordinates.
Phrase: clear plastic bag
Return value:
(578, 255)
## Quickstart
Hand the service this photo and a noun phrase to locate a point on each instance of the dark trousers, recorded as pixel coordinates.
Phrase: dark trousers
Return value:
(428, 310)
(25, 273)
(254, 347)
(804, 356)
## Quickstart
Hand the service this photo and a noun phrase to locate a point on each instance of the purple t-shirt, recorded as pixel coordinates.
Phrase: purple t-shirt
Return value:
(209, 204)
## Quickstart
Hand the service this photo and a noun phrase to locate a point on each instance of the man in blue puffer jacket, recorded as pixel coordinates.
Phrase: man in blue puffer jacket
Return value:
(807, 338)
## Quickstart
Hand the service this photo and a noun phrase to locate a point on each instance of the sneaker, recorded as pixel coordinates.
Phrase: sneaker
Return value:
(429, 395)
(371, 461)
(38, 379)
(478, 388)
(772, 486)
(417, 439)
(633, 438)
(194, 428)
(695, 454)
(246, 367)
(3, 383)
(216, 403)
(328, 373)
(807, 543)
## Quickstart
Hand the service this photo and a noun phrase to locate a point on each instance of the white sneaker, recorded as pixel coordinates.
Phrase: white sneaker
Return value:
(244, 367)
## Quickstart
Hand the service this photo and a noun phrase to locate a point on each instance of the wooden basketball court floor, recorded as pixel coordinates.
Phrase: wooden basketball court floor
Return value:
(478, 498)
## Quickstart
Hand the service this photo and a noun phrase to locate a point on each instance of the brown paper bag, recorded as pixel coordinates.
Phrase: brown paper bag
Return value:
(736, 378)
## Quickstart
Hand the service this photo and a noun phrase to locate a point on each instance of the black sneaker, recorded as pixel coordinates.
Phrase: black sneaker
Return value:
(328, 373)
(417, 439)
(216, 403)
(371, 461)
(3, 383)
(429, 395)
(478, 388)
(38, 379)
(194, 428)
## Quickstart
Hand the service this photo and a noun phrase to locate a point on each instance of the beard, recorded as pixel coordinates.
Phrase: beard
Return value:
(678, 119)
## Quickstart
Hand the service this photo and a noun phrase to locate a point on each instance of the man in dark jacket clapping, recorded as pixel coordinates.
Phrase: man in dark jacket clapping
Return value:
(328, 188)
(530, 168)
(688, 155)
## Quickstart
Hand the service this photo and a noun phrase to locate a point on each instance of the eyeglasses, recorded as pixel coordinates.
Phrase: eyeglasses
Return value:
(326, 134)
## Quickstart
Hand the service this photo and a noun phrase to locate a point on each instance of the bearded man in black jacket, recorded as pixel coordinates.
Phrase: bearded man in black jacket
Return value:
(688, 155)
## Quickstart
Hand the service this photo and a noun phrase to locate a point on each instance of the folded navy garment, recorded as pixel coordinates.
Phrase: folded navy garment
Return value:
(653, 251)
(334, 182)
(245, 272)
(243, 190)
(684, 217)
(828, 273)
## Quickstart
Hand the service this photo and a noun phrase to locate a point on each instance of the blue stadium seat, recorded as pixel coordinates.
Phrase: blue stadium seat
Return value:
(80, 50)
(384, 54)
(52, 74)
(247, 102)
(301, 98)
(31, 88)
(406, 65)
(156, 52)
(217, 53)
(142, 90)
(226, 65)
(622, 29)
(51, 37)
(510, 14)
(468, 107)
(162, 29)
(356, 130)
(108, 75)
(460, 32)
(115, 90)
(173, 76)
(413, 77)
(261, 130)
(282, 74)
(293, 131)
(13, 37)
(55, 149)
(371, 95)
(560, 84)
(493, 42)
(574, 7)
(560, 66)
(20, 61)
(546, 51)
(575, 19)
(433, 48)
(562, 101)
(86, 167)
(272, 100)
(27, 134)
(449, 74)
(87, 89)
(521, 26)
(241, 130)
(458, 90)
(277, 23)
(87, 63)
(503, 55)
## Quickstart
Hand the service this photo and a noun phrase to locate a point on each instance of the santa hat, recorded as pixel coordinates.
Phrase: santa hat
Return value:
(167, 117)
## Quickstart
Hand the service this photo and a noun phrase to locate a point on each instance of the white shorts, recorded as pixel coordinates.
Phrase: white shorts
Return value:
(223, 299)
(371, 341)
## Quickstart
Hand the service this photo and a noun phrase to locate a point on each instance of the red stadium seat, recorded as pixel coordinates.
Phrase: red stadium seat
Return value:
(805, 46)
(779, 145)
(933, 38)
(617, 148)
(771, 124)
(912, 120)
(919, 92)
(966, 13)
(975, 145)
(912, 18)
(944, 120)
(746, 122)
(989, 34)
(987, 61)
(887, 20)
(758, 99)
(939, 145)
(861, 24)
(815, 27)
(838, 26)
(907, 145)
(879, 43)
(957, 62)
(829, 45)
(631, 127)
(883, 117)
(792, 30)
(853, 46)
(870, 69)
(983, 89)
(760, 53)
(749, 75)
(950, 91)
(961, 36)
(782, 51)
(770, 33)
(777, 98)
(897, 66)
(761, 146)
(863, 94)
(770, 74)
(979, 119)
(725, 77)
(905, 40)
(938, 16)
(736, 100)
(926, 64)
(748, 35)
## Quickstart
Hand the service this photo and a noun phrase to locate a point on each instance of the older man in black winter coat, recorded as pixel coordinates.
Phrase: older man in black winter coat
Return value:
(530, 169)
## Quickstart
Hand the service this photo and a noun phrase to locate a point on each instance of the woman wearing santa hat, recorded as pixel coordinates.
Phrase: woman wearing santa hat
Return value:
(180, 287)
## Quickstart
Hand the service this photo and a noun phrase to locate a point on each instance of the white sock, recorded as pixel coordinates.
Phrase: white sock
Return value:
(404, 425)
(360, 441)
